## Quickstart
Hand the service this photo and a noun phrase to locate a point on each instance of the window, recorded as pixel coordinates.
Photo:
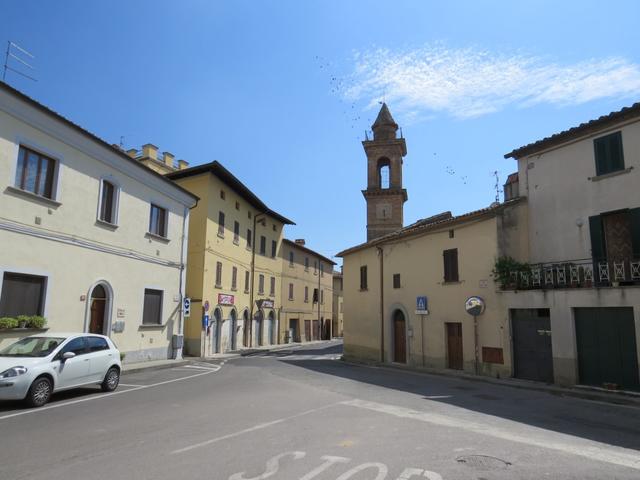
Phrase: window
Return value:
(35, 173)
(291, 258)
(221, 224)
(608, 153)
(97, 344)
(322, 296)
(451, 234)
(315, 267)
(274, 227)
(306, 294)
(236, 232)
(263, 245)
(77, 346)
(384, 176)
(108, 202)
(363, 277)
(396, 280)
(222, 194)
(158, 221)
(306, 264)
(291, 291)
(315, 295)
(249, 214)
(272, 286)
(321, 269)
(22, 295)
(152, 311)
(237, 205)
(450, 265)
(218, 274)
(234, 278)
(246, 281)
(249, 238)
(274, 248)
(261, 284)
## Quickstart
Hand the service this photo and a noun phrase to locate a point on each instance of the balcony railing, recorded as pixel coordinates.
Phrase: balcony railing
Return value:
(585, 273)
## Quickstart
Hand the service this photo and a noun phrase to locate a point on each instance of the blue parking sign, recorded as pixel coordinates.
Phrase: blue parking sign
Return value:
(421, 303)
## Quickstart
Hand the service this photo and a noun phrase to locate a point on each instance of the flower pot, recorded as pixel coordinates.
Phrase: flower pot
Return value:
(22, 324)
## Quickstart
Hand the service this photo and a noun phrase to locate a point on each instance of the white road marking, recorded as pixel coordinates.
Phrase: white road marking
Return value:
(213, 367)
(273, 465)
(129, 385)
(260, 426)
(104, 395)
(534, 436)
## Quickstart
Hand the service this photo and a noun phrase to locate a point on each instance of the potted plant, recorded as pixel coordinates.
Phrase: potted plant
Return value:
(506, 268)
(36, 321)
(23, 320)
(8, 322)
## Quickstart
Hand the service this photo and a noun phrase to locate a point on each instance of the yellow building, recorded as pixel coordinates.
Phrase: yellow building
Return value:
(405, 290)
(338, 305)
(307, 293)
(234, 263)
(91, 239)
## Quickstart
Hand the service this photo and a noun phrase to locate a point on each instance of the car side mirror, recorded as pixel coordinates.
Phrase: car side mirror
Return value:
(67, 355)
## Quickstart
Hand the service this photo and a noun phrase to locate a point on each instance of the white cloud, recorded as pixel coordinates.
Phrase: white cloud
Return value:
(471, 82)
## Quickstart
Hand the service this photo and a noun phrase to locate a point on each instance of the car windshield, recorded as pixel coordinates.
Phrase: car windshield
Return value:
(32, 347)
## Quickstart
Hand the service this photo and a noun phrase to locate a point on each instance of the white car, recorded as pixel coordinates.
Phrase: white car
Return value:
(33, 368)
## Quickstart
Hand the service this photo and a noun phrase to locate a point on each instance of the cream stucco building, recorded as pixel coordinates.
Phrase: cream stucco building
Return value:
(91, 239)
(575, 306)
(337, 317)
(307, 293)
(234, 263)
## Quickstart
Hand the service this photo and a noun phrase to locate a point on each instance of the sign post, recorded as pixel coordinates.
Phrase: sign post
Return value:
(186, 307)
(422, 310)
(475, 306)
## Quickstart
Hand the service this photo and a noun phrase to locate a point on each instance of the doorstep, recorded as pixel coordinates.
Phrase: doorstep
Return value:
(618, 397)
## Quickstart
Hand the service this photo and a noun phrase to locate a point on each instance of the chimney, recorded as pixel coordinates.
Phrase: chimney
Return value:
(132, 152)
(300, 241)
(150, 150)
(182, 164)
(168, 159)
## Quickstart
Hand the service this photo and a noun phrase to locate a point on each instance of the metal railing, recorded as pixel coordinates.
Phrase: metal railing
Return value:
(585, 273)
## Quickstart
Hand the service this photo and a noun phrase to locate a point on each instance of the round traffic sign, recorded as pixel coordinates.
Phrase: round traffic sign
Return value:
(474, 306)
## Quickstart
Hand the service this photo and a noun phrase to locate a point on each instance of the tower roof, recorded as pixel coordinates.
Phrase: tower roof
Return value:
(384, 118)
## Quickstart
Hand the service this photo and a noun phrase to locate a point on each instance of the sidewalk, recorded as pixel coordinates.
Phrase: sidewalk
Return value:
(579, 391)
(128, 368)
(247, 352)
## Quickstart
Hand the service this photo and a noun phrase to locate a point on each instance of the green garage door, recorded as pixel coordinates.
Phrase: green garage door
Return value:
(606, 340)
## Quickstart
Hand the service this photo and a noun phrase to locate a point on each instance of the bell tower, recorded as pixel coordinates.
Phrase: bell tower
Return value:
(384, 194)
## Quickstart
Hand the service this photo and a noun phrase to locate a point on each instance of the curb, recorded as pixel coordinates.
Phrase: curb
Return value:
(582, 392)
(143, 368)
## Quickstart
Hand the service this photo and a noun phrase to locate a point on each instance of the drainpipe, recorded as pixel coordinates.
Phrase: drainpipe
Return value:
(253, 271)
(381, 256)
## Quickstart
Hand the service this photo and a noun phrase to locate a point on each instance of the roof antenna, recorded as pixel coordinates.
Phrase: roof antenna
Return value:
(122, 142)
(11, 48)
(497, 186)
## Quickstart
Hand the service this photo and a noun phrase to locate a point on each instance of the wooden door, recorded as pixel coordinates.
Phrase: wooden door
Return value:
(96, 325)
(399, 338)
(307, 330)
(316, 330)
(454, 346)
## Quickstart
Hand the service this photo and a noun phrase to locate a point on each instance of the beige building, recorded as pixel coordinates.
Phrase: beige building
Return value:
(337, 316)
(234, 263)
(149, 156)
(574, 303)
(307, 299)
(91, 239)
(405, 291)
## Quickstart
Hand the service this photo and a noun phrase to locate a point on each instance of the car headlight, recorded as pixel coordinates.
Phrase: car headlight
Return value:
(13, 372)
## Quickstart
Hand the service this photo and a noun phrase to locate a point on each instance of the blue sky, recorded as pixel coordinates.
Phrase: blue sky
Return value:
(281, 92)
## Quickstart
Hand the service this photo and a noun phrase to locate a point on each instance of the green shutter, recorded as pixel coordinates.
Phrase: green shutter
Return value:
(634, 213)
(602, 157)
(615, 151)
(597, 238)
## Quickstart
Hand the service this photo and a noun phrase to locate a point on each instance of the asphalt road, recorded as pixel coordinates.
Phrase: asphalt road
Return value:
(302, 414)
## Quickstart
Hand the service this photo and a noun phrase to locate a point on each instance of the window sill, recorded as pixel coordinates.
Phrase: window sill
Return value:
(220, 235)
(454, 282)
(364, 290)
(236, 241)
(32, 196)
(107, 225)
(159, 238)
(597, 178)
(261, 293)
(234, 289)
(246, 291)
(218, 286)
(152, 326)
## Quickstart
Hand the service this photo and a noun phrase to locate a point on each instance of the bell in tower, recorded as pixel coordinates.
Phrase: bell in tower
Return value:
(384, 195)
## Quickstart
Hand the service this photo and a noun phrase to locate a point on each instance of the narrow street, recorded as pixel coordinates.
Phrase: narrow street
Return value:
(304, 414)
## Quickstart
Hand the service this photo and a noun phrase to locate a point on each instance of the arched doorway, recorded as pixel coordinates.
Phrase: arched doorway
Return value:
(399, 337)
(98, 310)
(232, 330)
(245, 329)
(258, 328)
(216, 329)
(271, 327)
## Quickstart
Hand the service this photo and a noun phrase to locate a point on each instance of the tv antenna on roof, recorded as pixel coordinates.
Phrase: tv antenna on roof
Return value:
(497, 186)
(14, 51)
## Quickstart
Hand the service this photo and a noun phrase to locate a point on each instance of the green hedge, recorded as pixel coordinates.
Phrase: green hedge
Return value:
(30, 321)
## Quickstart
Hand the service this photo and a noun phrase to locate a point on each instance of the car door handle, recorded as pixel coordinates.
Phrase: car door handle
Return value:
(86, 359)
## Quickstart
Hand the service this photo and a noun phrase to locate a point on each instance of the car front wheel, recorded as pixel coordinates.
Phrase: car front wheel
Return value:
(111, 380)
(39, 393)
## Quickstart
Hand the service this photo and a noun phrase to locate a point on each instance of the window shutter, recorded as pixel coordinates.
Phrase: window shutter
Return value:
(634, 213)
(597, 237)
(602, 156)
